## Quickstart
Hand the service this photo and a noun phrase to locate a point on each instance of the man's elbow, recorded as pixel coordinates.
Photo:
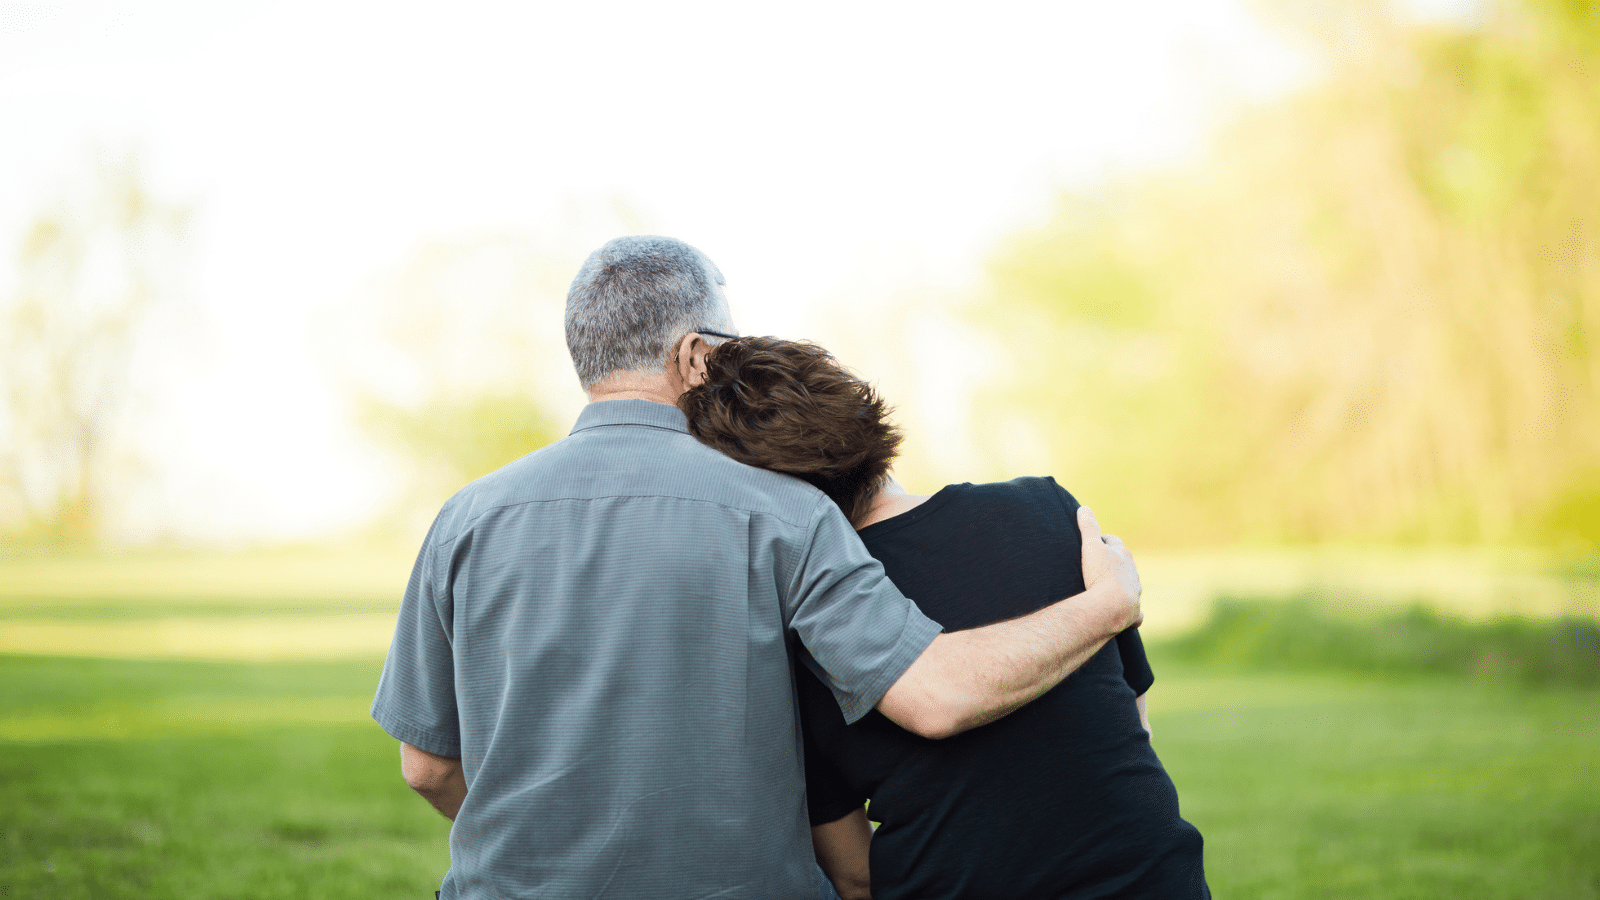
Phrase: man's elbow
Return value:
(937, 722)
(422, 781)
(853, 888)
(427, 780)
(930, 698)
(924, 714)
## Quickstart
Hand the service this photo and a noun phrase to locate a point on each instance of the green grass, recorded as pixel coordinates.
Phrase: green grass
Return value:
(205, 780)
(1327, 786)
(1323, 752)
(267, 780)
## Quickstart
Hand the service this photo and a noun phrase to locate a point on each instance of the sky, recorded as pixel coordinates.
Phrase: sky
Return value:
(807, 149)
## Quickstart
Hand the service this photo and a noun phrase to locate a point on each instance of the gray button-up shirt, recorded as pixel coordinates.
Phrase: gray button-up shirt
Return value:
(602, 630)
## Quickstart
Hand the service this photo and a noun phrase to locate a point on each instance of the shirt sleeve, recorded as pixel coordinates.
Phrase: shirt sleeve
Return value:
(416, 699)
(859, 631)
(1135, 665)
(829, 796)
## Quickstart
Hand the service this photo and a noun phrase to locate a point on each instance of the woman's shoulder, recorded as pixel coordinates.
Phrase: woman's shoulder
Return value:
(1029, 489)
(967, 506)
(1032, 501)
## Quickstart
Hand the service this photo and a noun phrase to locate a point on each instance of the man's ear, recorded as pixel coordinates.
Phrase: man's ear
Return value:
(691, 359)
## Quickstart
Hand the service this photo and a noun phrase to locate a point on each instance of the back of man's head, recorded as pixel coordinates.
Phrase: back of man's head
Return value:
(632, 301)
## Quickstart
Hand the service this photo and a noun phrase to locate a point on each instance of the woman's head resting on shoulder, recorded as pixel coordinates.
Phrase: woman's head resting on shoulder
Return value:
(790, 407)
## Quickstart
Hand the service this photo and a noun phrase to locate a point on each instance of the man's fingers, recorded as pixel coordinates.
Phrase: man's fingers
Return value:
(1106, 558)
(1088, 525)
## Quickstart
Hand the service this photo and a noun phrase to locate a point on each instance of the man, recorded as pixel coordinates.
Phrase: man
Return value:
(590, 674)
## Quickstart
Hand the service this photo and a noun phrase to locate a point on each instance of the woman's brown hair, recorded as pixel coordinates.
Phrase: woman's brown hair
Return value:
(790, 407)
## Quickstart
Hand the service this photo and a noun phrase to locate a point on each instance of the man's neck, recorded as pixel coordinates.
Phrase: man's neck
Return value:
(655, 396)
(654, 387)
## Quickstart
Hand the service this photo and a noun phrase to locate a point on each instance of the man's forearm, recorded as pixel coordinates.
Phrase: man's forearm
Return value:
(970, 678)
(843, 850)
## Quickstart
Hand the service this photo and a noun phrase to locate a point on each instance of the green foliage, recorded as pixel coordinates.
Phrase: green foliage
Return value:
(1080, 267)
(1371, 312)
(467, 360)
(1306, 634)
(95, 266)
(460, 439)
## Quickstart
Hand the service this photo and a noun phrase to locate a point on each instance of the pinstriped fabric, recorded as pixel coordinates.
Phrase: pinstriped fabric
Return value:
(602, 632)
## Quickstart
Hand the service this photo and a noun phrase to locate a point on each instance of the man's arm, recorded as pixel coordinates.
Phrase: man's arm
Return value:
(438, 779)
(969, 678)
(842, 851)
(1144, 714)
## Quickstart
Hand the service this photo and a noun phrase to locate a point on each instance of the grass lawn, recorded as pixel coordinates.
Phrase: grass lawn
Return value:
(1333, 786)
(267, 780)
(201, 779)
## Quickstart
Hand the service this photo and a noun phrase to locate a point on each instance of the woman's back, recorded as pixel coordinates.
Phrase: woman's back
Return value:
(1063, 798)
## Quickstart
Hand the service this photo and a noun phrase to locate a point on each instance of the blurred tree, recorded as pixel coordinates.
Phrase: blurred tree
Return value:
(93, 267)
(468, 362)
(1371, 312)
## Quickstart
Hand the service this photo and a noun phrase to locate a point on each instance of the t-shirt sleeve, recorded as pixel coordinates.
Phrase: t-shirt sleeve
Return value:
(859, 631)
(1135, 665)
(829, 796)
(416, 699)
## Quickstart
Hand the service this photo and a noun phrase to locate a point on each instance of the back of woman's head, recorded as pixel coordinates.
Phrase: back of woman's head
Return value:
(790, 407)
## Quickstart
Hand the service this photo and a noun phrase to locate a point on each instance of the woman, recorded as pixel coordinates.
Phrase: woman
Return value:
(1063, 798)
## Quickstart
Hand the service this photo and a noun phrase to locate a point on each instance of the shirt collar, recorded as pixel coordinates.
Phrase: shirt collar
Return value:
(631, 412)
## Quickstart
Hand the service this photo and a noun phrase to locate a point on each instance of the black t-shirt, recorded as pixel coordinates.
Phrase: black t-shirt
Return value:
(1062, 798)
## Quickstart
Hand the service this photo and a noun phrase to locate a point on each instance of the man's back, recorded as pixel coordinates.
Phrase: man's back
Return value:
(607, 620)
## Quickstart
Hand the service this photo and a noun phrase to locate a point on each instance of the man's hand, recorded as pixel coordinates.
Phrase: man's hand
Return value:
(1108, 568)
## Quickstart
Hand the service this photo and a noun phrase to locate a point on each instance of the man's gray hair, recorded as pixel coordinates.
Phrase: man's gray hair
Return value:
(634, 299)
